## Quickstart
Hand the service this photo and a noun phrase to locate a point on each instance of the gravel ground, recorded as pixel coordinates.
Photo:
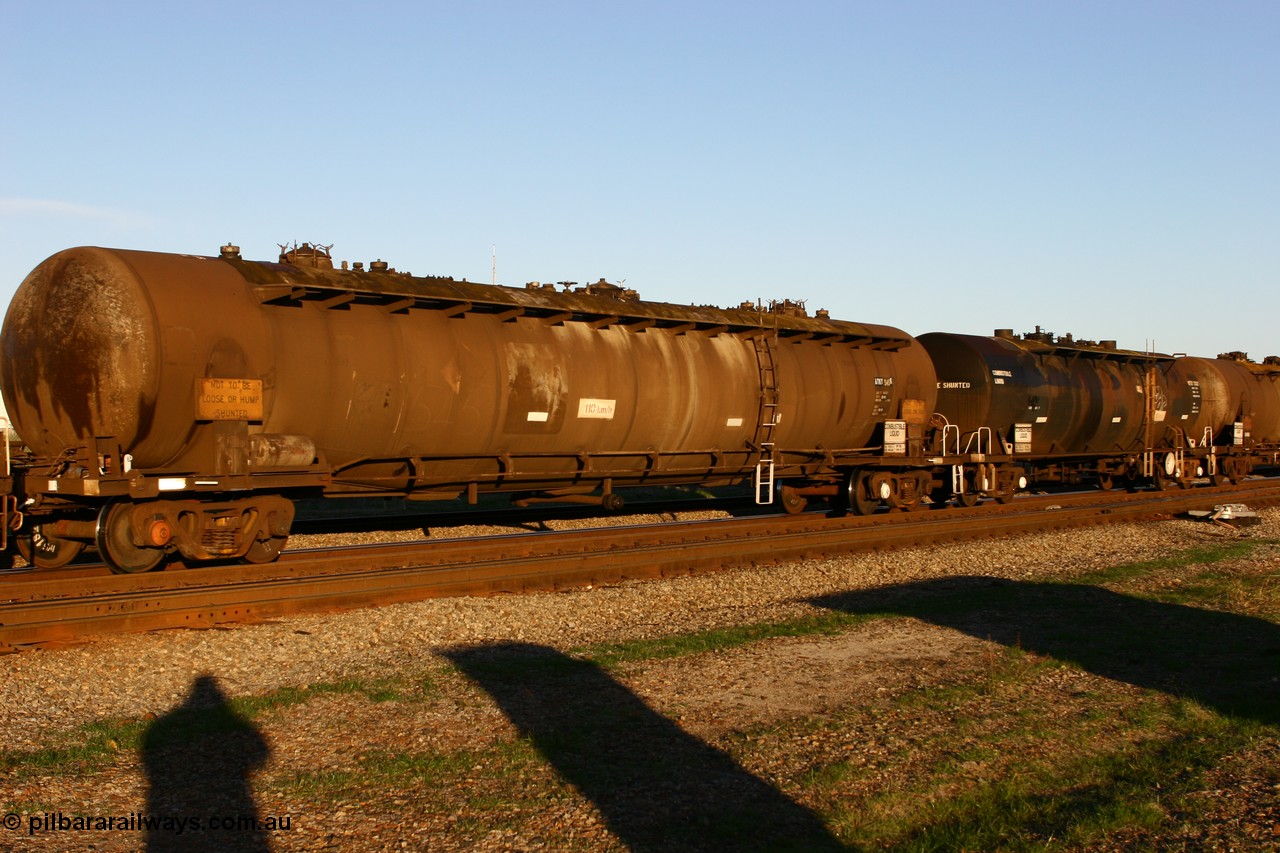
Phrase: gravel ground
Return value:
(49, 692)
(46, 691)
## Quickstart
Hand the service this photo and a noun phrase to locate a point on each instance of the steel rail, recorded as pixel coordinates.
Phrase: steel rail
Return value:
(43, 609)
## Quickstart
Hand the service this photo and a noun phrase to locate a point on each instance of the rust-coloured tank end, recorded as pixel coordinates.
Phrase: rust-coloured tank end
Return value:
(81, 344)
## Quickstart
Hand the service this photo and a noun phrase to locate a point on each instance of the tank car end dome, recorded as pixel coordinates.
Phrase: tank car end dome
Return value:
(80, 347)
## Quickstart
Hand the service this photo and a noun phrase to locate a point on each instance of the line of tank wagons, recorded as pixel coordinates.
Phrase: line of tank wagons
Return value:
(177, 404)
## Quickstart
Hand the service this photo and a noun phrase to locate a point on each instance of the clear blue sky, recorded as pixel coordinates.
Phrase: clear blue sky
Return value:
(1104, 168)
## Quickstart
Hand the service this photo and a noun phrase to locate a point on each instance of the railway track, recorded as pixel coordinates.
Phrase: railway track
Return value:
(45, 608)
(321, 524)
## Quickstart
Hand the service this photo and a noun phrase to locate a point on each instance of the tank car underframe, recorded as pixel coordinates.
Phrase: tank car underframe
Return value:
(581, 473)
(1162, 466)
(136, 518)
(137, 535)
(864, 484)
(967, 478)
(538, 471)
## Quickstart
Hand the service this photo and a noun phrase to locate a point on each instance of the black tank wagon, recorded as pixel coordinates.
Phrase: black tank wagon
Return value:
(1078, 411)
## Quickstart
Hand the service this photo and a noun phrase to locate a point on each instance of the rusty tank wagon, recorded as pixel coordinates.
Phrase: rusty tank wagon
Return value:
(177, 403)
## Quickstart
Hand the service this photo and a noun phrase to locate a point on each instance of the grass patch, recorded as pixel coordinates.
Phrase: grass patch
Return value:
(1197, 578)
(1077, 802)
(973, 776)
(102, 740)
(480, 779)
(994, 757)
(1255, 594)
(719, 639)
(98, 744)
(1004, 669)
(1206, 556)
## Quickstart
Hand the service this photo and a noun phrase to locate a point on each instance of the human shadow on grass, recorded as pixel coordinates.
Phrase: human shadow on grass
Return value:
(1227, 662)
(658, 787)
(199, 758)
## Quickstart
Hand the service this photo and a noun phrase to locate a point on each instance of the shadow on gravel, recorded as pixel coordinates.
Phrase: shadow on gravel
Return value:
(1227, 662)
(198, 759)
(659, 788)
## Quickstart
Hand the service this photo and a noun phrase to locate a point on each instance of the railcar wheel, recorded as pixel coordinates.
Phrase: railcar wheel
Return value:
(1105, 482)
(791, 502)
(860, 499)
(115, 541)
(47, 552)
(266, 550)
(968, 499)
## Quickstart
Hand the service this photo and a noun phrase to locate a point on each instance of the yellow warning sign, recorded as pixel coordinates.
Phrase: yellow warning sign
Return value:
(228, 399)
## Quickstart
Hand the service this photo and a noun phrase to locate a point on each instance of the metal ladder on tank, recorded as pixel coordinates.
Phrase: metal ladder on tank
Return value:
(1180, 439)
(768, 419)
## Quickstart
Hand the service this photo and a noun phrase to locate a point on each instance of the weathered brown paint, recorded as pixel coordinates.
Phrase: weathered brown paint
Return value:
(424, 381)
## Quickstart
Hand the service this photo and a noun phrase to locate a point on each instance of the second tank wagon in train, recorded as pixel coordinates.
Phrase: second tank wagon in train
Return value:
(1077, 411)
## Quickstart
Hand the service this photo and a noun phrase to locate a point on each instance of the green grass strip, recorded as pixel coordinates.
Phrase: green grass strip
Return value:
(101, 740)
(1205, 556)
(718, 639)
(1079, 803)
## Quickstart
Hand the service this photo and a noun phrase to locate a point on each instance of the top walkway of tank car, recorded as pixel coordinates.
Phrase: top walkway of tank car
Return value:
(594, 305)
